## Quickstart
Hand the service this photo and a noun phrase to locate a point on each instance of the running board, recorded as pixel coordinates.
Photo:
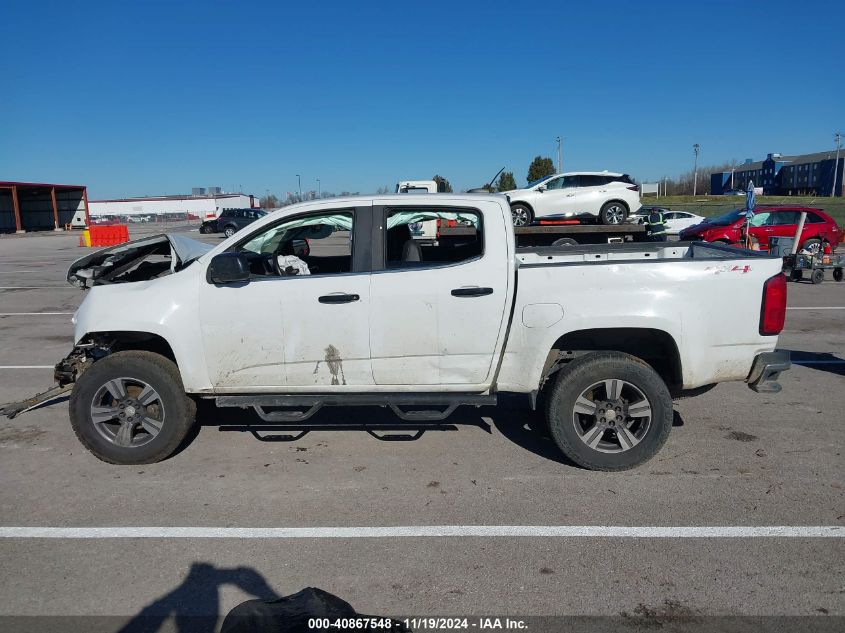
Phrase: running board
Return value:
(409, 407)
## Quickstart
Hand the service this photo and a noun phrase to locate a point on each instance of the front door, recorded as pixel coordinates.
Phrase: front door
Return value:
(302, 321)
(437, 309)
(559, 198)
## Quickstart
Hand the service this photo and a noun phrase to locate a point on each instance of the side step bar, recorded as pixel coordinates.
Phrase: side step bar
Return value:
(410, 407)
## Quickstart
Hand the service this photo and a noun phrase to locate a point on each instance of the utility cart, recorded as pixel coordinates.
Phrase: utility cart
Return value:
(795, 265)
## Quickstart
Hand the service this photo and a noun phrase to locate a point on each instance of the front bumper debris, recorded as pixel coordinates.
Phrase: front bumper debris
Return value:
(766, 370)
(66, 373)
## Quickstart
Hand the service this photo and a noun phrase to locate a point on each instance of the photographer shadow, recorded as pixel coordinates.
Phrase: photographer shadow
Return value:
(194, 605)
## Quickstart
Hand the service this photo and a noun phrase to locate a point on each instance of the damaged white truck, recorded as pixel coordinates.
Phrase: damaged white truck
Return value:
(333, 303)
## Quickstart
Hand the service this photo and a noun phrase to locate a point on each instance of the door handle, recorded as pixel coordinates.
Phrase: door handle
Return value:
(338, 297)
(473, 291)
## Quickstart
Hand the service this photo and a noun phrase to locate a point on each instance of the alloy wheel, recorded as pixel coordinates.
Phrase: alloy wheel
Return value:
(127, 412)
(612, 416)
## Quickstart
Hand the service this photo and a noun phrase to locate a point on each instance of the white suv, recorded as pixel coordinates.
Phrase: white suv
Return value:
(604, 195)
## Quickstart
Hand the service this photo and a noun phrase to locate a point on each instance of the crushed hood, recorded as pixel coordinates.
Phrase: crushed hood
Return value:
(138, 260)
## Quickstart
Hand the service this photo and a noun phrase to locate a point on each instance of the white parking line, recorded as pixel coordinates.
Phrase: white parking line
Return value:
(820, 308)
(35, 313)
(27, 366)
(414, 531)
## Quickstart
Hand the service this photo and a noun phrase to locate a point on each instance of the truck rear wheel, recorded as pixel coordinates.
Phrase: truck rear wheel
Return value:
(131, 408)
(609, 411)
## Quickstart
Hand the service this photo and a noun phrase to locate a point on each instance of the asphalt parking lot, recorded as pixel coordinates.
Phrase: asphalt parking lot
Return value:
(734, 458)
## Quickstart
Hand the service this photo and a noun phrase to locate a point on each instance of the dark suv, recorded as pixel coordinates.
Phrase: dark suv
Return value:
(231, 221)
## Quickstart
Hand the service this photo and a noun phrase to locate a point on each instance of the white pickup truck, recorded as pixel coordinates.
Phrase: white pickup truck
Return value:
(603, 337)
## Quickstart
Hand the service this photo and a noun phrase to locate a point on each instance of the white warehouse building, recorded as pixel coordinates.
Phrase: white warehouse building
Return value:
(201, 206)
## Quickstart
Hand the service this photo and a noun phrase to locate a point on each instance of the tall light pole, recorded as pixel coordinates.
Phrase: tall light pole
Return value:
(838, 137)
(299, 183)
(559, 154)
(318, 187)
(697, 149)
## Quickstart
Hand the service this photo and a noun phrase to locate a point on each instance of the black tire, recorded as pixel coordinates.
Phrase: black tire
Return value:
(593, 369)
(521, 214)
(817, 276)
(613, 212)
(796, 275)
(837, 274)
(229, 230)
(177, 410)
(814, 245)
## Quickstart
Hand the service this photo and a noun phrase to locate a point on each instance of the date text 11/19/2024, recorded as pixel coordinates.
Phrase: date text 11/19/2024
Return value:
(418, 624)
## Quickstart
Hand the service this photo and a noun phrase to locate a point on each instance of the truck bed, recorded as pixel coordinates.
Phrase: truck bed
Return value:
(545, 234)
(631, 252)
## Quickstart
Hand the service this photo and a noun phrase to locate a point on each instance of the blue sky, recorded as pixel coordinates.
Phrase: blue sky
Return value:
(158, 97)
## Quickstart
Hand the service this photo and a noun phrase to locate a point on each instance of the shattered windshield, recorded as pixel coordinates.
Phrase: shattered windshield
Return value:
(728, 218)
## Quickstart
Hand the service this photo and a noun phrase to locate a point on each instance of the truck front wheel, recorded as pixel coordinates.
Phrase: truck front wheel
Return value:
(130, 408)
(609, 411)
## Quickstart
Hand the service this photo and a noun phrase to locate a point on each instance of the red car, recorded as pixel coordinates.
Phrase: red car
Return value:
(819, 227)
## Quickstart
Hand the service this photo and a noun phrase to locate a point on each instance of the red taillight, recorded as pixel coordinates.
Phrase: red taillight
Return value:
(773, 310)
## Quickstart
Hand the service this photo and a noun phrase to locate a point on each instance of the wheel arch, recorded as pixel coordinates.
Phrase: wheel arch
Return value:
(655, 347)
(523, 203)
(126, 340)
(620, 201)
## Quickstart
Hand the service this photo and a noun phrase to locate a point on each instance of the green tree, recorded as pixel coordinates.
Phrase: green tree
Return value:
(443, 185)
(540, 168)
(506, 181)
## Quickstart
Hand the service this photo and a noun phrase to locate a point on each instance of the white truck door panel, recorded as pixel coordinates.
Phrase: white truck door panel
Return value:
(440, 325)
(277, 332)
(326, 330)
(303, 332)
(242, 334)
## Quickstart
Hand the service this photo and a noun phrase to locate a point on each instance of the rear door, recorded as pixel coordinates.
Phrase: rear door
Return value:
(437, 311)
(591, 193)
(784, 224)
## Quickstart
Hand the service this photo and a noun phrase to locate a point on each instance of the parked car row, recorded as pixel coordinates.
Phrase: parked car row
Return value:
(769, 221)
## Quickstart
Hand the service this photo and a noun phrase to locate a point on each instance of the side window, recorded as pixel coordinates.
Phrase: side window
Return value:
(786, 217)
(313, 244)
(459, 237)
(592, 181)
(670, 216)
(761, 219)
(555, 183)
(813, 218)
